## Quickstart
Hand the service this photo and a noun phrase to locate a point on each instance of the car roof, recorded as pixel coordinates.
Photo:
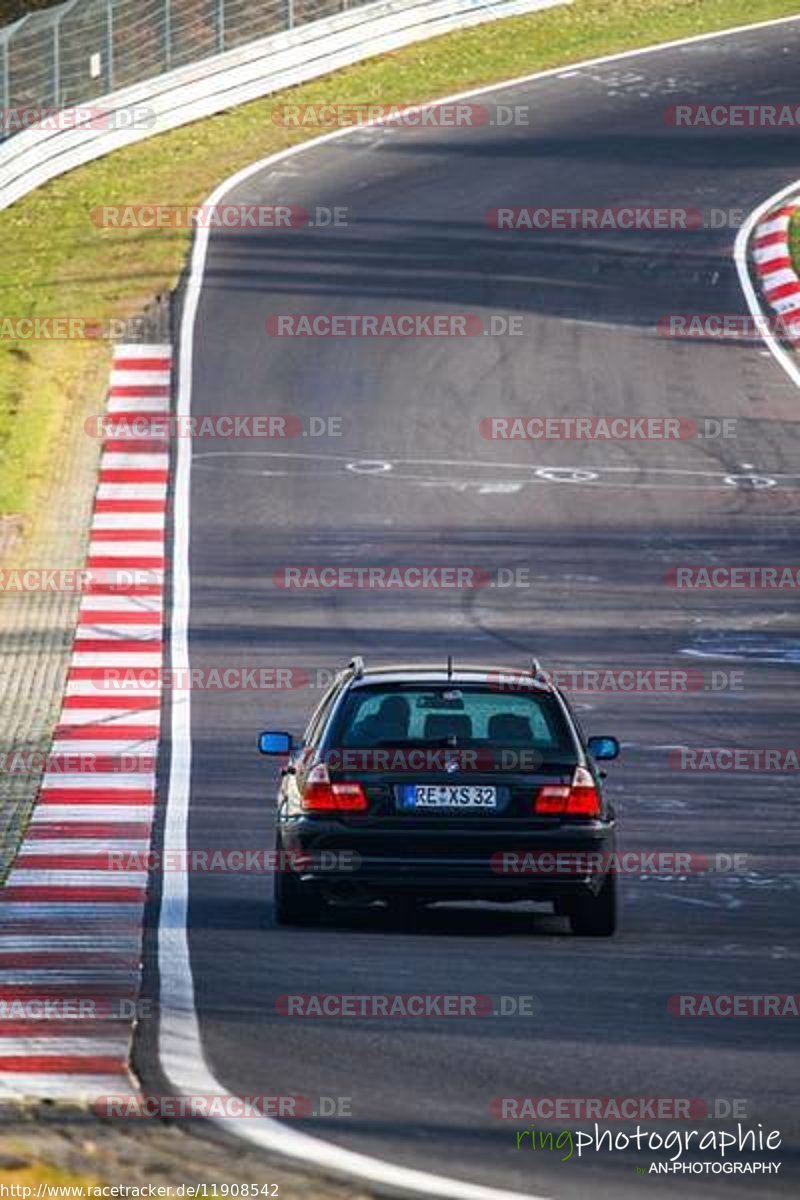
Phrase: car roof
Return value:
(436, 673)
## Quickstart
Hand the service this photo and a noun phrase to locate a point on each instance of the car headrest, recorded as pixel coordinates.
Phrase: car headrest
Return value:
(444, 725)
(509, 727)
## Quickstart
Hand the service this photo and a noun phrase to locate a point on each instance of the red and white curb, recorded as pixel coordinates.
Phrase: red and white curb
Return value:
(779, 281)
(70, 923)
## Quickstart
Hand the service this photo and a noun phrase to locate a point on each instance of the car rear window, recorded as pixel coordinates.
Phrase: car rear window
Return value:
(450, 714)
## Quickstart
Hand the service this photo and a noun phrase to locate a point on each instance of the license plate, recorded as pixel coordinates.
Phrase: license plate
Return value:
(448, 795)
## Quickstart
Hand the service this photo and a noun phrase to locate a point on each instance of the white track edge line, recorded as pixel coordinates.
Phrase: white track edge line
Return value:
(740, 251)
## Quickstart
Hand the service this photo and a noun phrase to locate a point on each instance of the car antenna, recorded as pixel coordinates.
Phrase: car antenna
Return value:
(449, 668)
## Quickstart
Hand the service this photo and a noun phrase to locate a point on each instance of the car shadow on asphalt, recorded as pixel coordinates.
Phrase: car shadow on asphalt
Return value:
(452, 920)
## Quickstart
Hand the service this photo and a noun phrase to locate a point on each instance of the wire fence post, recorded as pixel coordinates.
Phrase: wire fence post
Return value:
(6, 86)
(56, 62)
(12, 31)
(110, 43)
(167, 33)
(220, 26)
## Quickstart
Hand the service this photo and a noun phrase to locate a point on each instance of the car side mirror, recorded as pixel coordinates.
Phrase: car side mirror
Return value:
(603, 747)
(275, 743)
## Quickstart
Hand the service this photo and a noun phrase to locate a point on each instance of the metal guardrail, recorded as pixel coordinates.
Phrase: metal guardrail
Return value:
(222, 81)
(80, 50)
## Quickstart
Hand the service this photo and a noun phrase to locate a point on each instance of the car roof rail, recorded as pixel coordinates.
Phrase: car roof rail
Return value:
(356, 665)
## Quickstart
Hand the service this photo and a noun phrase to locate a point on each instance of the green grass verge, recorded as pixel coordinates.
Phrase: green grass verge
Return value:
(55, 262)
(51, 1179)
(794, 239)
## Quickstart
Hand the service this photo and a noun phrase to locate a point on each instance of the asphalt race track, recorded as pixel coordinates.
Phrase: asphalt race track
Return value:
(597, 549)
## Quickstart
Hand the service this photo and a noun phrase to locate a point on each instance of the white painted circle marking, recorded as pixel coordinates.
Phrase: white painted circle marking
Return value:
(369, 466)
(754, 482)
(566, 474)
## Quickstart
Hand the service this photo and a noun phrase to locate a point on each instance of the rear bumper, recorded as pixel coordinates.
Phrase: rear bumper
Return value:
(511, 864)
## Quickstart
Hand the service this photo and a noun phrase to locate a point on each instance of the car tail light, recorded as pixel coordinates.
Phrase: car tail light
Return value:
(551, 800)
(321, 795)
(584, 798)
(580, 799)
